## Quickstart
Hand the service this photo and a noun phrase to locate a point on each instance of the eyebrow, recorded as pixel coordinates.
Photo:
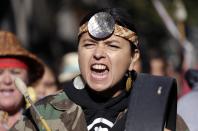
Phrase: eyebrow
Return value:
(105, 41)
(110, 41)
(90, 40)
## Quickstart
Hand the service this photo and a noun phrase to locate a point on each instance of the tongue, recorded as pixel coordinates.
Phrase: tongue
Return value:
(100, 75)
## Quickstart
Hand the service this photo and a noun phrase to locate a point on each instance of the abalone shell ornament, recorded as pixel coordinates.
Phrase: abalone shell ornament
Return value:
(101, 25)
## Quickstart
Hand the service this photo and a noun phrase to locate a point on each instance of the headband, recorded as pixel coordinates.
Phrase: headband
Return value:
(12, 62)
(102, 25)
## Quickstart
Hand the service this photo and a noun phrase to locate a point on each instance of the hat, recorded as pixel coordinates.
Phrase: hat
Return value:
(70, 67)
(11, 47)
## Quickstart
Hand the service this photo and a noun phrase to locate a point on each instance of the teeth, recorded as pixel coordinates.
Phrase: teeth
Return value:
(99, 67)
(6, 93)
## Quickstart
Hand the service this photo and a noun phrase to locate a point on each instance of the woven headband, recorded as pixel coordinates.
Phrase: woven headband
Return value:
(102, 25)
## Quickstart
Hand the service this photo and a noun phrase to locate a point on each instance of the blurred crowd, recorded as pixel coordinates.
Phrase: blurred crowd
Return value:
(47, 29)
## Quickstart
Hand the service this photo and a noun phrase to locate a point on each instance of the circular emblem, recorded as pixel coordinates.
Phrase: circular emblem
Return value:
(78, 83)
(101, 25)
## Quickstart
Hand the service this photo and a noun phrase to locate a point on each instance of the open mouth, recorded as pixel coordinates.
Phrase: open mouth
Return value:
(6, 92)
(99, 71)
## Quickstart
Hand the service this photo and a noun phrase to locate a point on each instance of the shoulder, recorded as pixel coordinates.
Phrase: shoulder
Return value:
(188, 100)
(58, 102)
(150, 81)
(55, 97)
(160, 98)
(51, 106)
(57, 110)
(149, 76)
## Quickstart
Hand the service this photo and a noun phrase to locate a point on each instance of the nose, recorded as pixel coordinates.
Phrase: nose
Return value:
(99, 52)
(7, 78)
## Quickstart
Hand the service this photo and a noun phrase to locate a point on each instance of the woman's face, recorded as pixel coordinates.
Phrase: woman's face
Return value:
(103, 63)
(10, 97)
(46, 85)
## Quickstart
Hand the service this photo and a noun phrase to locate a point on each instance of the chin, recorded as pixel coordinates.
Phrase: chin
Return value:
(8, 107)
(98, 87)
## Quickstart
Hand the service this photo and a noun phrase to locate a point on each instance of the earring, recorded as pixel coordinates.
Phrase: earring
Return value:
(79, 83)
(129, 81)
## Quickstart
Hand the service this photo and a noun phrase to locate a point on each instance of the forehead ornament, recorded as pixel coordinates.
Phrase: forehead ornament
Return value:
(102, 25)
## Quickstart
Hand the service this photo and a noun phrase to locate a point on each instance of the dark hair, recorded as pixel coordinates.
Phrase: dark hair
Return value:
(121, 17)
(191, 77)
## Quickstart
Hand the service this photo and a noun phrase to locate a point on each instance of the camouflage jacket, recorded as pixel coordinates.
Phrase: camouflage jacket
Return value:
(61, 115)
(59, 112)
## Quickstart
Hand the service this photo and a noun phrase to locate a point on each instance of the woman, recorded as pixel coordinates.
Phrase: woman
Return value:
(47, 85)
(104, 91)
(15, 61)
(108, 51)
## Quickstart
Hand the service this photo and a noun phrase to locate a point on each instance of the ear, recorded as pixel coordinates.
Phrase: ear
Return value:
(134, 59)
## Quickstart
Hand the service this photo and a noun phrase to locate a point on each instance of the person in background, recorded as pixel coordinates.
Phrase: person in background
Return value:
(108, 95)
(158, 63)
(15, 61)
(69, 67)
(47, 85)
(188, 104)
